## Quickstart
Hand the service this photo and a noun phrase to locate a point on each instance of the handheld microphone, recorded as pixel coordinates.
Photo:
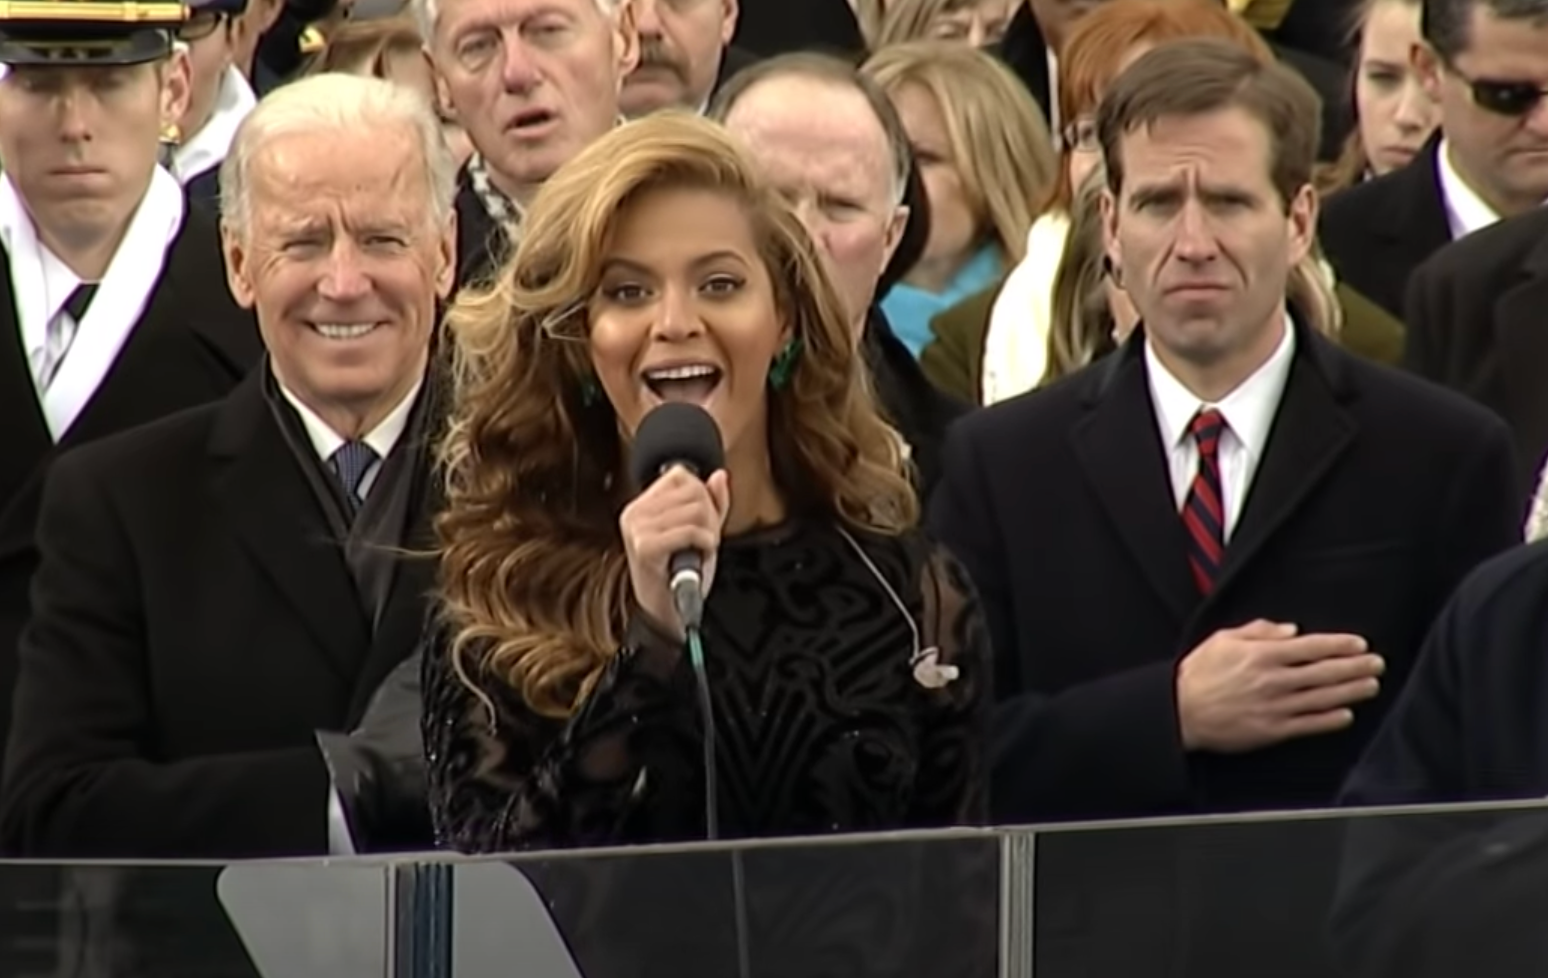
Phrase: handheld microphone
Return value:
(676, 433)
(684, 434)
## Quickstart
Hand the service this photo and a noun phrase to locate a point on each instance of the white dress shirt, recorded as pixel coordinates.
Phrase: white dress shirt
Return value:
(1466, 212)
(1249, 414)
(59, 283)
(325, 441)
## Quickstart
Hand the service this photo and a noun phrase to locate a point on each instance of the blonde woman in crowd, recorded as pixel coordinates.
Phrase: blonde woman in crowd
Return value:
(1092, 316)
(845, 651)
(976, 23)
(1395, 115)
(984, 156)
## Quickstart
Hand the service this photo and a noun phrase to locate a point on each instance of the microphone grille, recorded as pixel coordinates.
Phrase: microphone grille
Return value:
(675, 432)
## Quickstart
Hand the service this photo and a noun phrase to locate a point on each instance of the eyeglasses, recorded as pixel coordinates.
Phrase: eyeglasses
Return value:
(200, 25)
(1507, 98)
(567, 323)
(1080, 136)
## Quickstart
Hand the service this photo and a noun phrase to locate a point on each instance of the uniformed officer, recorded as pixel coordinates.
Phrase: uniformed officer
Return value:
(114, 308)
(219, 98)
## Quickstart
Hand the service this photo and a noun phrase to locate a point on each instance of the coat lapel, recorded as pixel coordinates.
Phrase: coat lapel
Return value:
(1311, 430)
(479, 242)
(23, 431)
(258, 480)
(190, 303)
(1419, 225)
(1521, 339)
(414, 572)
(1120, 451)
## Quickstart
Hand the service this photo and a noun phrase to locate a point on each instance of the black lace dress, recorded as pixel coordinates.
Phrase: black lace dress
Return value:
(825, 721)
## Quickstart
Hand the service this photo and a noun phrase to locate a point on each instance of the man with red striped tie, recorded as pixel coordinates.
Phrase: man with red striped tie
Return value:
(1208, 561)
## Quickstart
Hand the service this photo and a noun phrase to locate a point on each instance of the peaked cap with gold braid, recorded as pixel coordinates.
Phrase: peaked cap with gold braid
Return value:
(88, 32)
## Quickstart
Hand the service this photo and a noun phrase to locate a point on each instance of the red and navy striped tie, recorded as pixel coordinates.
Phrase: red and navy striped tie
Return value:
(1204, 510)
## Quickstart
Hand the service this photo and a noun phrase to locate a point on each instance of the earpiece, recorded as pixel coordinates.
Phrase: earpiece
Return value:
(924, 662)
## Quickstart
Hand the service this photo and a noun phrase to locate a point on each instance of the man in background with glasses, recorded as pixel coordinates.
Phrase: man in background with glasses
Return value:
(1485, 62)
(219, 98)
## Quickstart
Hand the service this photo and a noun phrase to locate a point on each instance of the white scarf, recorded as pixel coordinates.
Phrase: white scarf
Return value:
(132, 276)
(1016, 344)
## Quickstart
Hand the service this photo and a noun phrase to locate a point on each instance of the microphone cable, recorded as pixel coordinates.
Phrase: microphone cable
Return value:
(695, 643)
(707, 710)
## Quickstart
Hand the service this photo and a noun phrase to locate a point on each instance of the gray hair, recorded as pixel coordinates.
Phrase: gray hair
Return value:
(1445, 23)
(833, 71)
(427, 12)
(328, 104)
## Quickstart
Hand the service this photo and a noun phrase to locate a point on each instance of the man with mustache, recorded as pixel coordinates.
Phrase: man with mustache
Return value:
(684, 54)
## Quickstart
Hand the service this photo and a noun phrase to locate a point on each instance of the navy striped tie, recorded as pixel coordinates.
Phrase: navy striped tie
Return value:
(351, 463)
(1203, 511)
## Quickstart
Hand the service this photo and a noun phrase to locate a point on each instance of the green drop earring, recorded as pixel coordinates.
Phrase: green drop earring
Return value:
(590, 391)
(784, 364)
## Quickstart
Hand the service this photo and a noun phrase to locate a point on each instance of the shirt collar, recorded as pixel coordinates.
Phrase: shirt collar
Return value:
(325, 441)
(1466, 211)
(1248, 410)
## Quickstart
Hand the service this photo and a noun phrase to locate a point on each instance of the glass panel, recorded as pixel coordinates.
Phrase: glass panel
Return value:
(1459, 892)
(901, 906)
(258, 920)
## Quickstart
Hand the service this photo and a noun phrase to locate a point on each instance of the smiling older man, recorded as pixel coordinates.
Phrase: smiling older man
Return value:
(219, 591)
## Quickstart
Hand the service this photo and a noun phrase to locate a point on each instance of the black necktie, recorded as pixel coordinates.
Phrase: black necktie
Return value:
(80, 301)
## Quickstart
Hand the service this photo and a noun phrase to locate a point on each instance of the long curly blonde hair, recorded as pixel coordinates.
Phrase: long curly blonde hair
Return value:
(534, 583)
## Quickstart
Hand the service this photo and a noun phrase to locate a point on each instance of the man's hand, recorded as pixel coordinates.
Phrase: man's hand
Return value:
(1263, 683)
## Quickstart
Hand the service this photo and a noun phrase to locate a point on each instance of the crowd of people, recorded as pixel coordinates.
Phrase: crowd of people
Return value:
(1113, 395)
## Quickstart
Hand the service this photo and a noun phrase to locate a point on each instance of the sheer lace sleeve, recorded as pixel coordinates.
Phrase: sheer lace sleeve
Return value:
(952, 787)
(511, 779)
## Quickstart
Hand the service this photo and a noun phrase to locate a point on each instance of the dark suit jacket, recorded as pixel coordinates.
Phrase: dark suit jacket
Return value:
(1423, 894)
(1060, 505)
(1472, 724)
(1476, 324)
(732, 60)
(1025, 52)
(192, 345)
(204, 190)
(919, 411)
(1378, 231)
(480, 244)
(195, 625)
(1320, 27)
(769, 27)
